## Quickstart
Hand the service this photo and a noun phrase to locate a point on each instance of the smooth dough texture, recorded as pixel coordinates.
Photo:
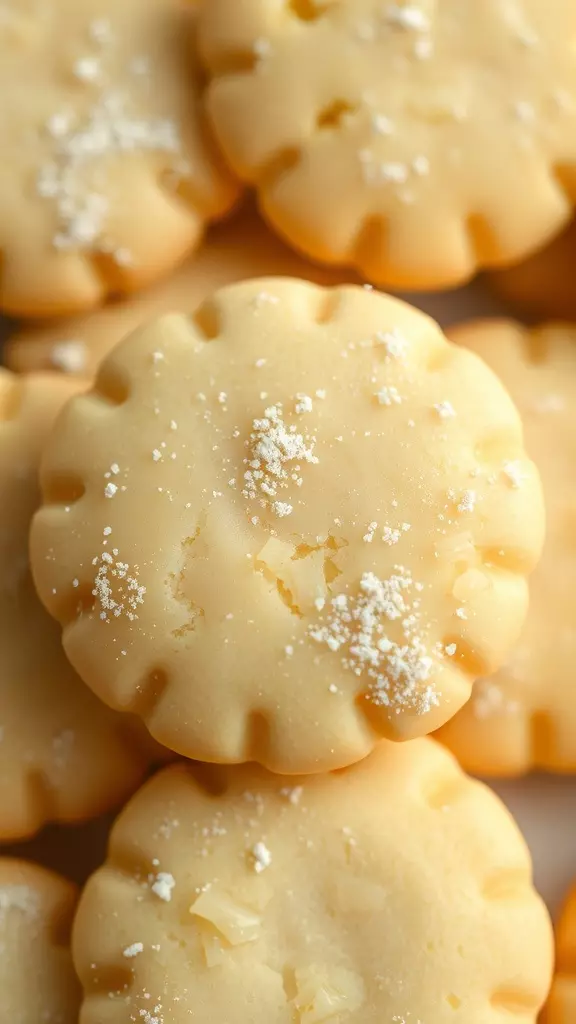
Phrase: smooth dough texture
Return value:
(232, 251)
(524, 717)
(396, 890)
(37, 979)
(561, 1008)
(294, 525)
(416, 141)
(64, 756)
(107, 174)
(544, 284)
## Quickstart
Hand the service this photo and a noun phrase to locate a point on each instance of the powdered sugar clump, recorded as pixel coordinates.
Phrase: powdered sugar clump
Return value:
(399, 672)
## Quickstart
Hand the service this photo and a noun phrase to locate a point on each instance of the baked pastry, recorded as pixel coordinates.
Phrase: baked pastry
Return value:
(239, 248)
(64, 756)
(417, 141)
(108, 171)
(284, 526)
(395, 890)
(524, 717)
(37, 978)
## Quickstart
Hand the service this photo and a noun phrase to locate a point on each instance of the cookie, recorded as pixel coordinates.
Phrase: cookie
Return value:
(415, 141)
(524, 717)
(291, 524)
(37, 978)
(234, 250)
(395, 890)
(108, 172)
(64, 756)
(561, 1007)
(543, 284)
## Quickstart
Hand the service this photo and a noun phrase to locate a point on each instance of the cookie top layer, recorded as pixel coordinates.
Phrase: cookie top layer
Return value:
(416, 140)
(232, 251)
(63, 755)
(396, 890)
(286, 525)
(561, 1008)
(544, 283)
(37, 978)
(108, 175)
(524, 717)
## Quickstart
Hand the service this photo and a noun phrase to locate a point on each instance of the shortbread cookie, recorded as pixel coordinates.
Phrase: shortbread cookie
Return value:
(63, 755)
(417, 141)
(235, 250)
(545, 284)
(37, 979)
(285, 526)
(524, 717)
(396, 890)
(562, 1004)
(108, 175)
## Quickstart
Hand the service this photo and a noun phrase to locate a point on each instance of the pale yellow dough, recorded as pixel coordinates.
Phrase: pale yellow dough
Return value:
(292, 525)
(544, 284)
(239, 248)
(417, 140)
(37, 979)
(561, 1008)
(396, 891)
(524, 717)
(108, 174)
(64, 756)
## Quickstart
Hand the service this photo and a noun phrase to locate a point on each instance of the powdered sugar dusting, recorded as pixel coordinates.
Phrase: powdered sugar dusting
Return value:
(276, 454)
(116, 587)
(398, 673)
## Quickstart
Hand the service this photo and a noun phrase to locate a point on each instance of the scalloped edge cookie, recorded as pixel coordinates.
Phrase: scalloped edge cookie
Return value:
(237, 884)
(36, 911)
(488, 532)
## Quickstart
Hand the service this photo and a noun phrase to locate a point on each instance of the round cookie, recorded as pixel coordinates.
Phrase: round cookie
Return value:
(544, 283)
(396, 890)
(561, 1008)
(292, 524)
(236, 249)
(108, 174)
(64, 756)
(416, 141)
(37, 978)
(524, 717)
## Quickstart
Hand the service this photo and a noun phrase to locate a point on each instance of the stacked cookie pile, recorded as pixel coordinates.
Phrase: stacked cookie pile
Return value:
(264, 528)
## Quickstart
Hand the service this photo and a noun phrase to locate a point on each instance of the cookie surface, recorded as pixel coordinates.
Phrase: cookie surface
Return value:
(544, 283)
(415, 141)
(37, 978)
(108, 173)
(291, 526)
(396, 890)
(237, 249)
(524, 717)
(64, 756)
(561, 1008)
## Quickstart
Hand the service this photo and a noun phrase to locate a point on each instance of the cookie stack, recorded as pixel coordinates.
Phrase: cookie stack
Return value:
(262, 519)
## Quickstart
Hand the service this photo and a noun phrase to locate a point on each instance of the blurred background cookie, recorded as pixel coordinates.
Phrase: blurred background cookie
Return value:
(37, 979)
(241, 247)
(416, 141)
(64, 756)
(524, 717)
(561, 1007)
(545, 284)
(108, 173)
